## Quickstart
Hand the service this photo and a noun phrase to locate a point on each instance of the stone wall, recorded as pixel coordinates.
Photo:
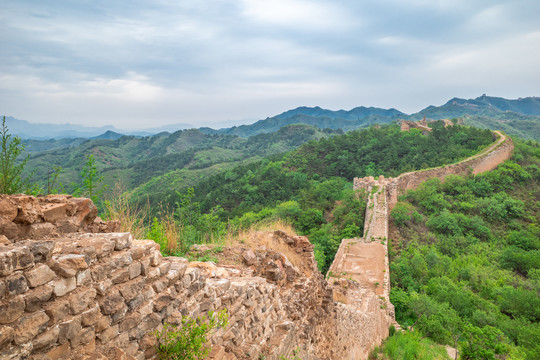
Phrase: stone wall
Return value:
(360, 274)
(102, 295)
(486, 160)
(421, 125)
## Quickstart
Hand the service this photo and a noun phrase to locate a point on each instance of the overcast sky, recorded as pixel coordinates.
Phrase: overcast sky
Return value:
(144, 63)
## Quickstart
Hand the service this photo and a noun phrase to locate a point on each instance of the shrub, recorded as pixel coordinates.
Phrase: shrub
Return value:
(401, 213)
(501, 207)
(188, 342)
(445, 223)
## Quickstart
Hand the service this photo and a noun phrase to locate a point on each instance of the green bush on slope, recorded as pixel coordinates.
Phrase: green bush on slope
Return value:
(476, 255)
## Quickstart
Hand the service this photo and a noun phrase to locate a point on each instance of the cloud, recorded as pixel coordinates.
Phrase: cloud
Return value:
(311, 16)
(124, 62)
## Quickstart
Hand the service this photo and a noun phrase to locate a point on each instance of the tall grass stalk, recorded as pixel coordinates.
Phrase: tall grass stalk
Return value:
(132, 219)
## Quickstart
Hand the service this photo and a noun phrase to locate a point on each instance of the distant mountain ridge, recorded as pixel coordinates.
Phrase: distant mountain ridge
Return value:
(353, 114)
(517, 117)
(43, 131)
(108, 135)
(483, 106)
(315, 116)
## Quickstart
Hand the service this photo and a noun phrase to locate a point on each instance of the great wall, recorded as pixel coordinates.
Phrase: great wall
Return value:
(71, 287)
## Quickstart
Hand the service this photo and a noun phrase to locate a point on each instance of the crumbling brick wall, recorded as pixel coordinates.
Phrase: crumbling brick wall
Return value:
(29, 217)
(102, 295)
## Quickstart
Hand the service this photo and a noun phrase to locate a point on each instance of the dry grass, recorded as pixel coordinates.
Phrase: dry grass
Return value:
(131, 218)
(248, 236)
(173, 234)
(261, 235)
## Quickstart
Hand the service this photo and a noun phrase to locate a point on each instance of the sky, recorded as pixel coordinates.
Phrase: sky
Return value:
(145, 63)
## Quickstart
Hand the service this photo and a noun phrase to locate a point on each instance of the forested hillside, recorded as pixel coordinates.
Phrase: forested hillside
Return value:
(525, 127)
(137, 160)
(375, 151)
(465, 260)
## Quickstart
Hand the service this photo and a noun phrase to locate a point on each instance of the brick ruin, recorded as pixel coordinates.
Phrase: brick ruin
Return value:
(424, 124)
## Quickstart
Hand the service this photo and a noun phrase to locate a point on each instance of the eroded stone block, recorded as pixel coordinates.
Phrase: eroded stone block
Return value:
(39, 275)
(29, 326)
(15, 258)
(12, 309)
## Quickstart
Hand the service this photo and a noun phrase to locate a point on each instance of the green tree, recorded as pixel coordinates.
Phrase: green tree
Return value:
(483, 343)
(11, 169)
(92, 181)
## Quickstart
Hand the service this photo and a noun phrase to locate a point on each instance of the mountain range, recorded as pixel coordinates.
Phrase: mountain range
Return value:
(517, 117)
(44, 131)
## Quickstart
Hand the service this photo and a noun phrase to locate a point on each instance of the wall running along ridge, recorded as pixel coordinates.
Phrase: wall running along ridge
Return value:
(361, 266)
(486, 160)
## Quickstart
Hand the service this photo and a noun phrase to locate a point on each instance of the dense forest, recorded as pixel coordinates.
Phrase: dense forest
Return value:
(311, 187)
(465, 260)
(375, 151)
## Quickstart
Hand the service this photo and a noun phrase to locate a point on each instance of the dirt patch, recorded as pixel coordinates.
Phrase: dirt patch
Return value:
(261, 243)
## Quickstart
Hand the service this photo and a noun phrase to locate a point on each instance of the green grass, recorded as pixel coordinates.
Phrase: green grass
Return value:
(409, 346)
